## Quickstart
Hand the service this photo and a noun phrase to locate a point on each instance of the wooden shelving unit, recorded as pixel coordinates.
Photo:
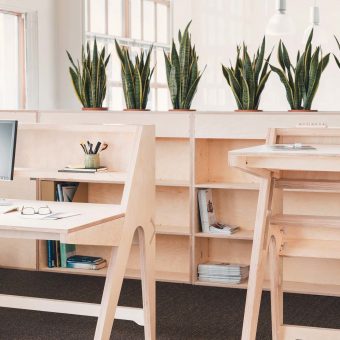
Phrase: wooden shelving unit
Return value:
(191, 154)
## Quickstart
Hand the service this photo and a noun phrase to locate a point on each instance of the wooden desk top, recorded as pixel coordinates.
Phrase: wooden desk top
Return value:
(90, 215)
(110, 177)
(324, 158)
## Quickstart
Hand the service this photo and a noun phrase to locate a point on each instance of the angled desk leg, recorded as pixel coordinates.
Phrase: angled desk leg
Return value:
(258, 258)
(147, 248)
(113, 285)
(276, 292)
(114, 280)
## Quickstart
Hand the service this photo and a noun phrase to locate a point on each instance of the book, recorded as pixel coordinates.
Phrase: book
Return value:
(206, 208)
(50, 254)
(232, 273)
(83, 170)
(85, 262)
(85, 259)
(66, 250)
(224, 229)
(69, 192)
(80, 265)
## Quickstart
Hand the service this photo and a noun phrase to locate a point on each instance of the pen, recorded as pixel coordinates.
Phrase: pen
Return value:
(83, 147)
(96, 149)
(90, 145)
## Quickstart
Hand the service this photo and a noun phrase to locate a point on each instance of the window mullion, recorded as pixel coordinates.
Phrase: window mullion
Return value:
(22, 62)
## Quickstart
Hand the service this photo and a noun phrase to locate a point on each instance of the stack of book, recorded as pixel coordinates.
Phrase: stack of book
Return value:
(225, 229)
(86, 262)
(223, 272)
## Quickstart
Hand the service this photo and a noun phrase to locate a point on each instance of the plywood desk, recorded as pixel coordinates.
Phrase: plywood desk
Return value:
(42, 150)
(318, 236)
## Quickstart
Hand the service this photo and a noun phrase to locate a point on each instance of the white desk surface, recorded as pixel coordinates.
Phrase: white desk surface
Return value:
(90, 215)
(325, 158)
(267, 150)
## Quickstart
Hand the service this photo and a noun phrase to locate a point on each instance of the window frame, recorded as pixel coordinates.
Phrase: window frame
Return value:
(126, 39)
(28, 56)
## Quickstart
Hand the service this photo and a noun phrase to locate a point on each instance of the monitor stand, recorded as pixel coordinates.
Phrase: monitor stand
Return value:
(4, 202)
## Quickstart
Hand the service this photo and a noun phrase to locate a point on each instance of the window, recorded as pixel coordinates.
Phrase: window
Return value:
(12, 61)
(136, 24)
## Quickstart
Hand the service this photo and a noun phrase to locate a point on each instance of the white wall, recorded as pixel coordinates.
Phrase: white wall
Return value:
(47, 46)
(218, 25)
(69, 32)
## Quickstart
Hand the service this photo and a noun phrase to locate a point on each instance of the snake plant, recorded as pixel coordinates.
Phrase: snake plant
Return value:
(89, 76)
(248, 78)
(302, 80)
(182, 71)
(136, 77)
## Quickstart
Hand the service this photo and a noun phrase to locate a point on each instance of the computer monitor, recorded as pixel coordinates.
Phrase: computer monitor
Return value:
(8, 139)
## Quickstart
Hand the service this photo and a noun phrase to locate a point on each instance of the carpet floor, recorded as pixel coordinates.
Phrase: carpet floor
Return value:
(184, 312)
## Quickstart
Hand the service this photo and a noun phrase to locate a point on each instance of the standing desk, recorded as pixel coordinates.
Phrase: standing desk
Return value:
(280, 234)
(113, 225)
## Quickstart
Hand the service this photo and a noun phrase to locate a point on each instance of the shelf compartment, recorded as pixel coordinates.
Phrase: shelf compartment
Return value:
(237, 207)
(242, 234)
(172, 206)
(228, 185)
(173, 159)
(211, 161)
(172, 259)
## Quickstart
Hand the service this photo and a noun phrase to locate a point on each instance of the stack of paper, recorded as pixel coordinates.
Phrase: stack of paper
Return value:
(223, 272)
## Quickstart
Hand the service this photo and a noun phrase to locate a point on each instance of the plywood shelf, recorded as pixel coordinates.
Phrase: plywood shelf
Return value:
(99, 272)
(130, 274)
(172, 230)
(107, 177)
(242, 285)
(161, 276)
(288, 287)
(228, 185)
(172, 183)
(243, 234)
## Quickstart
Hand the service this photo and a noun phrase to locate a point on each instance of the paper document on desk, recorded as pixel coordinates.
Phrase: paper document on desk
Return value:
(53, 216)
(292, 147)
(8, 208)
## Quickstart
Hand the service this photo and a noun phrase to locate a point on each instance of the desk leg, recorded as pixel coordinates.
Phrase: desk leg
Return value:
(147, 246)
(113, 285)
(257, 262)
(276, 292)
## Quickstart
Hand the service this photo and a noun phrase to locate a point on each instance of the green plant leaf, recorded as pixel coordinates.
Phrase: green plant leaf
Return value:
(285, 82)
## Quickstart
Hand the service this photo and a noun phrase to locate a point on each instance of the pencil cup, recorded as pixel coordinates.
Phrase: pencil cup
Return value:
(92, 161)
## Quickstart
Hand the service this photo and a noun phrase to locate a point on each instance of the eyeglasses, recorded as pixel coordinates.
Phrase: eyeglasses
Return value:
(32, 211)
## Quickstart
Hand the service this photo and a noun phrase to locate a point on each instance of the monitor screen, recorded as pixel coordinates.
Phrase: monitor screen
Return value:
(8, 135)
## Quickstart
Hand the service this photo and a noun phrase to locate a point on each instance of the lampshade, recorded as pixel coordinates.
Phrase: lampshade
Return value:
(280, 23)
(320, 35)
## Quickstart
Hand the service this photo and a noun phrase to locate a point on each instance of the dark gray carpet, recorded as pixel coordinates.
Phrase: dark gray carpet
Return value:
(184, 312)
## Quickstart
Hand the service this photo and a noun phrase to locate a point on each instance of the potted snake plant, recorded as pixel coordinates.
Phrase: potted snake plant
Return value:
(89, 77)
(182, 72)
(248, 78)
(302, 80)
(136, 78)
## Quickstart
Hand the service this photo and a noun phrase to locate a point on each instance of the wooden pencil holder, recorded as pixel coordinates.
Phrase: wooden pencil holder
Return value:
(92, 161)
